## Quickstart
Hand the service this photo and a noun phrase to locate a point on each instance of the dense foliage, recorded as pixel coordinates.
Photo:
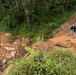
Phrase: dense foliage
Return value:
(24, 16)
(56, 62)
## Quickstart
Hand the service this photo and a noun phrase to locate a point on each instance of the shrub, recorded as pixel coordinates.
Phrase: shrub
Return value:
(56, 62)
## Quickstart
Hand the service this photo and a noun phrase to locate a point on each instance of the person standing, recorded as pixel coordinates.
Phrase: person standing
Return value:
(69, 30)
(72, 30)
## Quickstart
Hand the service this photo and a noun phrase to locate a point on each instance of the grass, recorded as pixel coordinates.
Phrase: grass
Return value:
(54, 22)
(56, 62)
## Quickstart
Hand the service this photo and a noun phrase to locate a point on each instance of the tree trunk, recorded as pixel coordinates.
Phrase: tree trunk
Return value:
(27, 18)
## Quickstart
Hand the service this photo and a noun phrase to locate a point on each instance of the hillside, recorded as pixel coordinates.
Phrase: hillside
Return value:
(12, 49)
(65, 42)
(22, 23)
(61, 38)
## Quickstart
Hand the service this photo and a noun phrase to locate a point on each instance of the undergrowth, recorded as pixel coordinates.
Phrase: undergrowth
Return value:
(56, 62)
(53, 23)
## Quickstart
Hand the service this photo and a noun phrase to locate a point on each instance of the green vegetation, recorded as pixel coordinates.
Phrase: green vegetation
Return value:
(56, 62)
(31, 17)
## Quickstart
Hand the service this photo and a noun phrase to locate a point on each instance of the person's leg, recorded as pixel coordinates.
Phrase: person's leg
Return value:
(73, 33)
(69, 32)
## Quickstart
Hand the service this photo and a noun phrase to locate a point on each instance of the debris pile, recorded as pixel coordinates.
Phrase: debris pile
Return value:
(11, 49)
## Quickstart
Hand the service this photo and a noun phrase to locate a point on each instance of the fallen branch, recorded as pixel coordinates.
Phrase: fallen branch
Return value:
(8, 70)
(26, 54)
(62, 46)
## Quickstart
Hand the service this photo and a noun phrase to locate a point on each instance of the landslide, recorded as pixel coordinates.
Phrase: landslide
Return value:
(61, 38)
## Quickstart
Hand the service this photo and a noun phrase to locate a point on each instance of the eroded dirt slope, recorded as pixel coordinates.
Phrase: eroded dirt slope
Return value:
(11, 49)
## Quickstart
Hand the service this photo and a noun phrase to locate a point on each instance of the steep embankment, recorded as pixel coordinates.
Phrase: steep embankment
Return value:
(61, 38)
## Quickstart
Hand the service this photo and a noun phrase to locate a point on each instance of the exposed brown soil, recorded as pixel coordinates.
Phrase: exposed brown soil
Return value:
(11, 48)
(64, 41)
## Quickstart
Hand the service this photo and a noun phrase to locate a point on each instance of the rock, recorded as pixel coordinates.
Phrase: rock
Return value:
(12, 55)
(9, 48)
(4, 61)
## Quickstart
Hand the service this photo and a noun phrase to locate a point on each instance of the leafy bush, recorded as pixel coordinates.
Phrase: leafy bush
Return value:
(56, 62)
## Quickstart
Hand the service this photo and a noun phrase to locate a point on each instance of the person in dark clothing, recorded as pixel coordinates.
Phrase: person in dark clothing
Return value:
(70, 30)
(73, 29)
